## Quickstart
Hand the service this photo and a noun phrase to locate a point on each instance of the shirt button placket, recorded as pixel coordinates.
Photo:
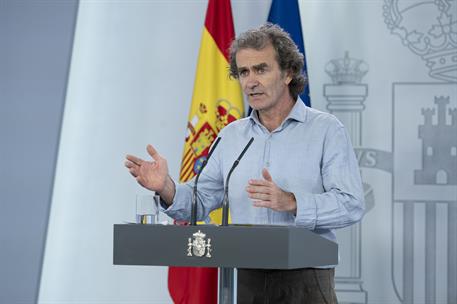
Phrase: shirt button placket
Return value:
(267, 152)
(267, 164)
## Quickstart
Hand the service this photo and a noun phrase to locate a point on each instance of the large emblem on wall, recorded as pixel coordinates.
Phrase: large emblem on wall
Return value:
(424, 210)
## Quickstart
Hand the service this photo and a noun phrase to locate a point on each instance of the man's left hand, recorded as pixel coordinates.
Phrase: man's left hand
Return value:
(265, 193)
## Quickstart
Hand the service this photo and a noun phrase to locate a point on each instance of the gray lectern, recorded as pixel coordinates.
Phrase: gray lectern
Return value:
(227, 247)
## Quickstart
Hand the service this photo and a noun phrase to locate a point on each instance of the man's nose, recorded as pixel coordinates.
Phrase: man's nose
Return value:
(252, 81)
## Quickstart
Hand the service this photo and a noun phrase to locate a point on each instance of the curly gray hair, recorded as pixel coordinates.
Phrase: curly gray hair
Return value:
(288, 56)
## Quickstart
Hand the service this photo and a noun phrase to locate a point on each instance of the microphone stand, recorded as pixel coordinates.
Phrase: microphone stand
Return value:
(225, 204)
(226, 274)
(193, 212)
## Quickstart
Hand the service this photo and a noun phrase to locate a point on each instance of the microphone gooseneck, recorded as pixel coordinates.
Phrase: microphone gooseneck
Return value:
(225, 204)
(193, 213)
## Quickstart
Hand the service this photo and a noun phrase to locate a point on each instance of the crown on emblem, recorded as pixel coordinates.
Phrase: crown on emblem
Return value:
(429, 29)
(346, 70)
(199, 235)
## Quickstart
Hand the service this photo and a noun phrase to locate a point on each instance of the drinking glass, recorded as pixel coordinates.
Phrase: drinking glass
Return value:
(147, 208)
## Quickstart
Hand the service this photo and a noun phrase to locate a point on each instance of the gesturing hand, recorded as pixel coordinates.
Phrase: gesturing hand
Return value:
(265, 193)
(152, 175)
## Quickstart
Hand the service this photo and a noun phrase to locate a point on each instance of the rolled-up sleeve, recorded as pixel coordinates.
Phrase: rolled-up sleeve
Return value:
(209, 195)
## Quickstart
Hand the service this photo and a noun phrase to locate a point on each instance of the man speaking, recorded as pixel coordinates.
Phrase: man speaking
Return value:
(300, 169)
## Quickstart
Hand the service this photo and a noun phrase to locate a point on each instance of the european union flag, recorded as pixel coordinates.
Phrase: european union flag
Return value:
(286, 14)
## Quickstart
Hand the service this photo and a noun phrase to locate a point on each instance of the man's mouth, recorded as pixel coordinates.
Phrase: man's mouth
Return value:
(255, 94)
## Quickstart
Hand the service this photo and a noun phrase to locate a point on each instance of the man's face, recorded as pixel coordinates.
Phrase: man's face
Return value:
(261, 78)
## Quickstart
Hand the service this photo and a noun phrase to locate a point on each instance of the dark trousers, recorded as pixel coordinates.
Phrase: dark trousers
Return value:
(306, 285)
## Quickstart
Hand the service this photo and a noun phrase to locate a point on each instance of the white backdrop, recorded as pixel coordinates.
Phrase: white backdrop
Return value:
(131, 84)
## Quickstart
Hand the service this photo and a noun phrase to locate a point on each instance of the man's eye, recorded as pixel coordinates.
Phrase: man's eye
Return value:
(261, 71)
(243, 73)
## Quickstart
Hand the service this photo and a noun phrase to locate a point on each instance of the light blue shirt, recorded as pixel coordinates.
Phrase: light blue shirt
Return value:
(309, 154)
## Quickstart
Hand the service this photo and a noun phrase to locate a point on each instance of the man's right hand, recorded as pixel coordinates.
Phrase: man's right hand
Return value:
(153, 174)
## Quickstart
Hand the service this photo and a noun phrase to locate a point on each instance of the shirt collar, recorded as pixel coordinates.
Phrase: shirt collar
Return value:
(297, 113)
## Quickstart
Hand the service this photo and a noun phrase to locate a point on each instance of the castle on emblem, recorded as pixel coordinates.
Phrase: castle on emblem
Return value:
(439, 146)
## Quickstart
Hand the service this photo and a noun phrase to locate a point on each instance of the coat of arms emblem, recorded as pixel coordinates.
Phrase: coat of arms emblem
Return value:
(198, 246)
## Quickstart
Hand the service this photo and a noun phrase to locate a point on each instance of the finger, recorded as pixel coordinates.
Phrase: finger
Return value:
(266, 175)
(258, 182)
(133, 169)
(130, 164)
(259, 196)
(153, 152)
(258, 189)
(133, 173)
(134, 159)
(139, 180)
(263, 204)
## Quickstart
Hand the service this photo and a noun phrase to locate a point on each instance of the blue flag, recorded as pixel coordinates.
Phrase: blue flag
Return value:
(286, 14)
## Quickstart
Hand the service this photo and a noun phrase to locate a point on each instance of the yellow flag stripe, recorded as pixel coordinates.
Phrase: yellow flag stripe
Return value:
(212, 80)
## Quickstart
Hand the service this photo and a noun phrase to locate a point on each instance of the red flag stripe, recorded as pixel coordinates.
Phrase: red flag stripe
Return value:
(189, 151)
(186, 162)
(188, 175)
(187, 157)
(219, 24)
(186, 171)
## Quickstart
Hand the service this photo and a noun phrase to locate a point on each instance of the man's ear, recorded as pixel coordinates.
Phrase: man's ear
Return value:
(287, 78)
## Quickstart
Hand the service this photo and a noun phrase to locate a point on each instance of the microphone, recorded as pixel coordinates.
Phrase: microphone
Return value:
(193, 213)
(225, 204)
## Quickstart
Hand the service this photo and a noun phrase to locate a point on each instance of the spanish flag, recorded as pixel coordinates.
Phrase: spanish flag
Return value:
(217, 100)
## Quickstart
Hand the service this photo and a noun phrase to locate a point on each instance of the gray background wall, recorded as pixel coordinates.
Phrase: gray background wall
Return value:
(36, 40)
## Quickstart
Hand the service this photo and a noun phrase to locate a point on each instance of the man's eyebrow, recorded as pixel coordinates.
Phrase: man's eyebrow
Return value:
(256, 67)
(260, 66)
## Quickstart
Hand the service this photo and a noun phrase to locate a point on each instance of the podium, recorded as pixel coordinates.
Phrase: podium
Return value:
(226, 247)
